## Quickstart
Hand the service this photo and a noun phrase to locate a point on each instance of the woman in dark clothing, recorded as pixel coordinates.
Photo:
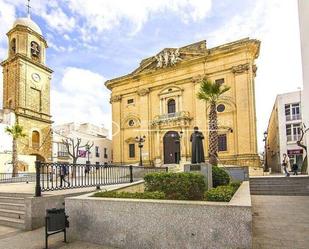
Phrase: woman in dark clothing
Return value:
(295, 168)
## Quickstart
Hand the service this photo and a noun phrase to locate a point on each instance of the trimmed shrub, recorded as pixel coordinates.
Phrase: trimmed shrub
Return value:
(177, 186)
(219, 177)
(235, 184)
(143, 195)
(222, 193)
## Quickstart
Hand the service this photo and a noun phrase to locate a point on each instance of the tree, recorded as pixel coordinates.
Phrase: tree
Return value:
(73, 147)
(212, 92)
(16, 132)
(303, 131)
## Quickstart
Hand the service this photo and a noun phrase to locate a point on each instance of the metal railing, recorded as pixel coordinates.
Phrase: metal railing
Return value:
(293, 117)
(63, 154)
(18, 177)
(56, 176)
(294, 137)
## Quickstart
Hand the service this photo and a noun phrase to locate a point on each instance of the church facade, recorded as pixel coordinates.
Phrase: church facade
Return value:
(159, 101)
(26, 88)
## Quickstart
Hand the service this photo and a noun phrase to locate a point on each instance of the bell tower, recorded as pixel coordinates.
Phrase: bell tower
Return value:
(26, 83)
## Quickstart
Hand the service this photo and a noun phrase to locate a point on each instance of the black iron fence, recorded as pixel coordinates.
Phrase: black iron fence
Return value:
(18, 177)
(56, 176)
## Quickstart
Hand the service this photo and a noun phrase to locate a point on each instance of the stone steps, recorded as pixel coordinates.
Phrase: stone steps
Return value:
(12, 214)
(16, 200)
(289, 186)
(12, 206)
(12, 209)
(12, 222)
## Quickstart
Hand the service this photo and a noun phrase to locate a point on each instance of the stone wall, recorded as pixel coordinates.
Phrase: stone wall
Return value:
(36, 208)
(131, 223)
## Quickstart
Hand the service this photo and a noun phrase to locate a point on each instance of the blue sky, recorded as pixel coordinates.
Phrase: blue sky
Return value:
(94, 40)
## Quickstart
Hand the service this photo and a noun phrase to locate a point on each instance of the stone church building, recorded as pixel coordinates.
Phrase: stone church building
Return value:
(158, 100)
(26, 88)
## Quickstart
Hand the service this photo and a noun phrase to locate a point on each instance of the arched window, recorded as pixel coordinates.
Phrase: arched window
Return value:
(171, 106)
(13, 46)
(35, 139)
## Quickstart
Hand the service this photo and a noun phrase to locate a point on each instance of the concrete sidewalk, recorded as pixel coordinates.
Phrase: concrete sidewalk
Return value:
(280, 222)
(17, 239)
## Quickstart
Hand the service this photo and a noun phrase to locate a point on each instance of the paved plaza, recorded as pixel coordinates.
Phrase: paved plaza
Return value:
(280, 222)
(11, 238)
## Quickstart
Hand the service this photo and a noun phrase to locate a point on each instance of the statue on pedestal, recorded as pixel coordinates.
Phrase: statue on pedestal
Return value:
(197, 146)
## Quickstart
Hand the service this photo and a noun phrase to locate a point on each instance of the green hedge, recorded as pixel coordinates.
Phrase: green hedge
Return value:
(177, 186)
(144, 195)
(222, 193)
(219, 177)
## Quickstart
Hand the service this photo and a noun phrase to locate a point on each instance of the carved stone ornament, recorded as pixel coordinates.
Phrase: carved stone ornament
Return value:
(254, 69)
(168, 58)
(115, 98)
(241, 68)
(143, 91)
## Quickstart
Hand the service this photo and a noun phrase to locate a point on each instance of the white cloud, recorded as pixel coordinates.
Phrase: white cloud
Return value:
(108, 14)
(58, 20)
(7, 17)
(80, 98)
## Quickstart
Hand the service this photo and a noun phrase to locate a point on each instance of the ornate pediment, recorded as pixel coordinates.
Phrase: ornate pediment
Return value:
(170, 57)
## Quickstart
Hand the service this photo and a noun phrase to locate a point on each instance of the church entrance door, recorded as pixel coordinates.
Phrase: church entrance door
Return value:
(171, 147)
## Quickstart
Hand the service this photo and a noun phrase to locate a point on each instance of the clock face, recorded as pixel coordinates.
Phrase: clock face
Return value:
(36, 77)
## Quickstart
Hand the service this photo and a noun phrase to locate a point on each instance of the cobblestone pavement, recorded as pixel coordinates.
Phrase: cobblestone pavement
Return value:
(17, 239)
(280, 222)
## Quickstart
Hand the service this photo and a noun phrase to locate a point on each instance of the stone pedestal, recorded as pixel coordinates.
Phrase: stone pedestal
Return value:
(203, 168)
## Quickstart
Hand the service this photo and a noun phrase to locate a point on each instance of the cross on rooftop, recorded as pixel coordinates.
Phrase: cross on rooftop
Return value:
(28, 7)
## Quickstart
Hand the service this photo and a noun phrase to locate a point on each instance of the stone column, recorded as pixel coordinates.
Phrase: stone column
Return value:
(117, 141)
(145, 126)
(245, 113)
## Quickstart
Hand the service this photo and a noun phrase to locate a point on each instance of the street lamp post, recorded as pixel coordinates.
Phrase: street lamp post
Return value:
(140, 140)
(265, 151)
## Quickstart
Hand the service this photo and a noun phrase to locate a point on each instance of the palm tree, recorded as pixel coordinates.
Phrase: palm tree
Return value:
(16, 132)
(212, 92)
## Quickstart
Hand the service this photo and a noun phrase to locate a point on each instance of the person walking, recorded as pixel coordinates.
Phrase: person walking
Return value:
(63, 173)
(295, 169)
(286, 164)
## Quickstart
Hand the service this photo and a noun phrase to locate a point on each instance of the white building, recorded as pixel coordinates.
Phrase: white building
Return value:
(100, 152)
(303, 9)
(284, 130)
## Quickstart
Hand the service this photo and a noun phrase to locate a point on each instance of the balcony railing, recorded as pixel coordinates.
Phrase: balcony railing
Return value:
(293, 117)
(291, 138)
(62, 154)
(35, 145)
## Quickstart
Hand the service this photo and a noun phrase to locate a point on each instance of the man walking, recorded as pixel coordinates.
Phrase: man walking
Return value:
(286, 164)
(63, 173)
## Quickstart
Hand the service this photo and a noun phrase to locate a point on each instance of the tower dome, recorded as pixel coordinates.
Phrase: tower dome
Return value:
(27, 22)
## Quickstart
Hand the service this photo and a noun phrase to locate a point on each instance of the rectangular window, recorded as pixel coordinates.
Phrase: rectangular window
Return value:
(222, 142)
(130, 101)
(292, 112)
(105, 153)
(288, 130)
(287, 110)
(62, 150)
(131, 150)
(97, 154)
(293, 132)
(219, 81)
